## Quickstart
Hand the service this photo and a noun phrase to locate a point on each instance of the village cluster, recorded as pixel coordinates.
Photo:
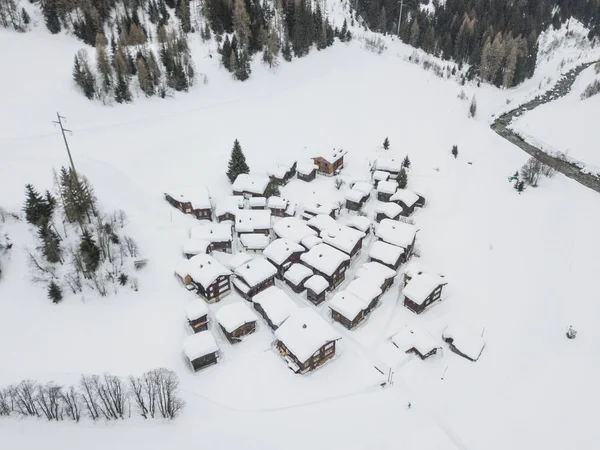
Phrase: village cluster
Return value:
(269, 250)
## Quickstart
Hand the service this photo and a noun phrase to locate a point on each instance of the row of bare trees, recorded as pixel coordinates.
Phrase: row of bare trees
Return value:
(106, 397)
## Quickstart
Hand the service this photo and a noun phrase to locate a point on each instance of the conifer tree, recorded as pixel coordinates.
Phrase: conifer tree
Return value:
(90, 253)
(54, 292)
(226, 53)
(386, 143)
(520, 186)
(25, 17)
(406, 162)
(473, 108)
(242, 68)
(122, 92)
(241, 24)
(50, 244)
(344, 31)
(83, 76)
(237, 163)
(34, 206)
(183, 12)
(402, 178)
(123, 278)
(286, 51)
(51, 17)
(455, 151)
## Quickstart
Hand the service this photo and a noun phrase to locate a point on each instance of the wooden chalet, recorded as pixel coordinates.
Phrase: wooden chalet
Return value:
(313, 209)
(274, 305)
(466, 341)
(387, 210)
(380, 175)
(283, 253)
(218, 235)
(227, 209)
(397, 233)
(385, 190)
(360, 223)
(321, 222)
(306, 341)
(206, 275)
(422, 291)
(250, 185)
(253, 277)
(347, 309)
(310, 241)
(343, 238)
(236, 320)
(257, 202)
(293, 229)
(193, 247)
(406, 199)
(254, 242)
(389, 164)
(277, 206)
(316, 288)
(389, 255)
(307, 171)
(355, 200)
(201, 350)
(328, 262)
(377, 271)
(192, 200)
(417, 342)
(330, 163)
(253, 221)
(296, 276)
(281, 174)
(197, 315)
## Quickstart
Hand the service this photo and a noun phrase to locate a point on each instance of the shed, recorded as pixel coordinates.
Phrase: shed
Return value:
(466, 341)
(236, 320)
(343, 238)
(355, 199)
(210, 278)
(253, 221)
(307, 170)
(363, 186)
(293, 229)
(281, 173)
(387, 210)
(296, 276)
(257, 202)
(250, 185)
(377, 271)
(254, 242)
(417, 342)
(385, 190)
(282, 253)
(406, 199)
(380, 175)
(196, 312)
(330, 163)
(397, 233)
(389, 164)
(218, 234)
(305, 340)
(228, 207)
(274, 305)
(316, 287)
(422, 291)
(328, 262)
(277, 205)
(201, 350)
(193, 200)
(387, 254)
(253, 277)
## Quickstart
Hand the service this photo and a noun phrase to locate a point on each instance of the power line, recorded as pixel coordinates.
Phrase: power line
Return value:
(62, 129)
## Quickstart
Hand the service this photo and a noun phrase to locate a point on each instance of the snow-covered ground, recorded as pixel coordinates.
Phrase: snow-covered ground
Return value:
(524, 266)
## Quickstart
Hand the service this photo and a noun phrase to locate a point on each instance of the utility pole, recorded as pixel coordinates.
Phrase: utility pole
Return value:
(400, 17)
(62, 129)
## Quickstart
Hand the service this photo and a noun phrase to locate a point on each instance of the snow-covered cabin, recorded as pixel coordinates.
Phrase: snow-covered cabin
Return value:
(193, 247)
(466, 341)
(253, 221)
(257, 202)
(239, 259)
(201, 350)
(347, 309)
(422, 291)
(254, 242)
(330, 163)
(415, 268)
(397, 233)
(387, 254)
(387, 210)
(281, 173)
(217, 234)
(296, 276)
(274, 305)
(307, 170)
(328, 262)
(310, 241)
(355, 199)
(193, 200)
(380, 175)
(210, 278)
(293, 229)
(250, 185)
(417, 342)
(196, 312)
(316, 288)
(377, 271)
(367, 289)
(385, 190)
(305, 340)
(236, 320)
(314, 208)
(253, 277)
(321, 222)
(363, 186)
(228, 207)
(278, 206)
(389, 164)
(360, 223)
(343, 238)
(282, 253)
(406, 199)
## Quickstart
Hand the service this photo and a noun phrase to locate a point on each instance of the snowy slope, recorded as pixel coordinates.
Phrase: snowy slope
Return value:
(523, 265)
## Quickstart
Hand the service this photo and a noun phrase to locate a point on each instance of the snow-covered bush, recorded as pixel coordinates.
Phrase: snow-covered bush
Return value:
(375, 44)
(591, 90)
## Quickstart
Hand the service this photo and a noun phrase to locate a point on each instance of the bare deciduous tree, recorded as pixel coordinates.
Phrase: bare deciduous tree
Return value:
(71, 401)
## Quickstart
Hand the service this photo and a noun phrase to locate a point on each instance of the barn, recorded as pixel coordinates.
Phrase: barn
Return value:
(274, 305)
(355, 199)
(236, 320)
(201, 350)
(348, 309)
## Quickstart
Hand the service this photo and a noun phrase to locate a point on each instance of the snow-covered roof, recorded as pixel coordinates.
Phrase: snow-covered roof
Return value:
(342, 237)
(277, 203)
(297, 273)
(257, 202)
(199, 345)
(256, 271)
(310, 241)
(305, 332)
(324, 258)
(198, 196)
(280, 250)
(347, 304)
(387, 187)
(250, 183)
(276, 304)
(395, 232)
(291, 209)
(306, 167)
(195, 309)
(467, 339)
(239, 259)
(379, 175)
(316, 283)
(322, 222)
(421, 286)
(230, 204)
(365, 288)
(278, 171)
(415, 268)
(195, 246)
(204, 270)
(420, 340)
(409, 198)
(386, 253)
(235, 315)
(318, 208)
(256, 241)
(388, 163)
(391, 210)
(293, 229)
(363, 186)
(332, 155)
(248, 220)
(212, 232)
(375, 270)
(362, 223)
(354, 195)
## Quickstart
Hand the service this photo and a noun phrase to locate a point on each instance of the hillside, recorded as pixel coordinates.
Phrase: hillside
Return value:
(521, 265)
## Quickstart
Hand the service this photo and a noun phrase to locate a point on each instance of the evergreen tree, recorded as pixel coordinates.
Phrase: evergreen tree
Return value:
(34, 206)
(242, 69)
(77, 196)
(25, 17)
(122, 92)
(226, 53)
(473, 107)
(344, 31)
(183, 12)
(237, 162)
(382, 23)
(406, 162)
(286, 51)
(54, 292)
(241, 24)
(50, 244)
(519, 186)
(123, 278)
(386, 143)
(402, 178)
(51, 17)
(90, 253)
(83, 76)
(455, 151)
